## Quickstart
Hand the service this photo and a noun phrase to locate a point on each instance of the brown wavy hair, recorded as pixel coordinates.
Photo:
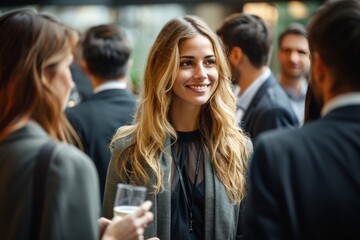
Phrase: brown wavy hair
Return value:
(33, 44)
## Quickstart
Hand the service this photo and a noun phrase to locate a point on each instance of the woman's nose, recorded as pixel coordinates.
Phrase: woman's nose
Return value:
(200, 73)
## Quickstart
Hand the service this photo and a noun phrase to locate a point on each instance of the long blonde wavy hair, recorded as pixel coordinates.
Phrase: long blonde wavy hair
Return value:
(225, 141)
(32, 44)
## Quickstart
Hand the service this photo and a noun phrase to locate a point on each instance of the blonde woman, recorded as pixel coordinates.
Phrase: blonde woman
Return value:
(185, 145)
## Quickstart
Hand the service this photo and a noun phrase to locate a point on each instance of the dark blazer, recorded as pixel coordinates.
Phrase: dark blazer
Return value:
(83, 85)
(97, 119)
(269, 109)
(305, 183)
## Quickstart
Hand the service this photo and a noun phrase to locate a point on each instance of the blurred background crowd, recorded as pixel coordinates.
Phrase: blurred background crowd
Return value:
(142, 20)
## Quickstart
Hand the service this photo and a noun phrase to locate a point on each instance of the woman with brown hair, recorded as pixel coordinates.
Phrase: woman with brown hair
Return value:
(35, 82)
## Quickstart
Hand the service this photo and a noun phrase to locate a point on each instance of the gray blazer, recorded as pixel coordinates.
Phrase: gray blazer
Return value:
(72, 203)
(221, 216)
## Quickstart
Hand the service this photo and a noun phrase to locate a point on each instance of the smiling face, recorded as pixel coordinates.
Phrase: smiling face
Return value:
(198, 76)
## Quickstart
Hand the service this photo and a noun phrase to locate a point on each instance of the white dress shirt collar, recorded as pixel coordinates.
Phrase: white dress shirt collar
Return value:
(110, 85)
(341, 101)
(244, 98)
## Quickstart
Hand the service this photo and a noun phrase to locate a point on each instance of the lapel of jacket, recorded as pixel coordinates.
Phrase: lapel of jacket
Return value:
(210, 200)
(164, 198)
(220, 219)
(161, 225)
(258, 95)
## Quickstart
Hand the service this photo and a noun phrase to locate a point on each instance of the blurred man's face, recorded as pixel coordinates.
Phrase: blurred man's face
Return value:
(294, 56)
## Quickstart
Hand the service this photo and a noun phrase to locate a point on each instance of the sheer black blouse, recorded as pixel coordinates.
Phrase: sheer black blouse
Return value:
(188, 157)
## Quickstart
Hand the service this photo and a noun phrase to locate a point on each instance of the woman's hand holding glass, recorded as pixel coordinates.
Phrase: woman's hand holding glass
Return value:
(129, 227)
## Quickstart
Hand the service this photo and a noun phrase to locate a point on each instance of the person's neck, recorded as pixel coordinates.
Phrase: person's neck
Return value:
(292, 83)
(249, 75)
(98, 81)
(185, 118)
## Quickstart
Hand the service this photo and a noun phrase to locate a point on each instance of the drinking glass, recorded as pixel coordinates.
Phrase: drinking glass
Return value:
(128, 199)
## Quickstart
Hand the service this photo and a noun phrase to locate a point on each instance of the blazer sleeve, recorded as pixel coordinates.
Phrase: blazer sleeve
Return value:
(262, 218)
(112, 179)
(72, 195)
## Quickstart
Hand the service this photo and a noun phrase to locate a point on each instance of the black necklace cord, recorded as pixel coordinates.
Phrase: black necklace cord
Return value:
(197, 168)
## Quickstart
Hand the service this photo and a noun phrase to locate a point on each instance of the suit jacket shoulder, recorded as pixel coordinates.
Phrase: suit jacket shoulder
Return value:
(303, 181)
(269, 109)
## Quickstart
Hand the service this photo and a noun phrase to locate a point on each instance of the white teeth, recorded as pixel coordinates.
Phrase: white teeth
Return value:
(198, 87)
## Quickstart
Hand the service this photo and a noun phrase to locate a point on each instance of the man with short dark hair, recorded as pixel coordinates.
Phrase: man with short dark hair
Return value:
(304, 183)
(262, 104)
(105, 56)
(294, 62)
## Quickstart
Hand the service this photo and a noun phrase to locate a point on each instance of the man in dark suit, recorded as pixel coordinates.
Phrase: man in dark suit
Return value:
(262, 104)
(305, 183)
(105, 53)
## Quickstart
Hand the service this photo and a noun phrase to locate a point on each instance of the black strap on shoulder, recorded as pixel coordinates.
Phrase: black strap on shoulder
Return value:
(40, 173)
(128, 170)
